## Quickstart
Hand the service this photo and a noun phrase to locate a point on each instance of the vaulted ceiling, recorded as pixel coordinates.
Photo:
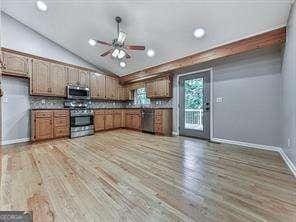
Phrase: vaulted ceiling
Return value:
(166, 26)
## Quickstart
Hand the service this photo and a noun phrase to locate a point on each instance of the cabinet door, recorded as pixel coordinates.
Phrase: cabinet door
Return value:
(99, 122)
(16, 64)
(117, 120)
(83, 78)
(163, 87)
(58, 80)
(111, 90)
(40, 79)
(150, 89)
(97, 86)
(43, 128)
(73, 74)
(136, 122)
(108, 121)
(128, 120)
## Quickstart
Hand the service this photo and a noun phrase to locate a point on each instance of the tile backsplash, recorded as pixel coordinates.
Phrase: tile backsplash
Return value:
(37, 102)
(57, 103)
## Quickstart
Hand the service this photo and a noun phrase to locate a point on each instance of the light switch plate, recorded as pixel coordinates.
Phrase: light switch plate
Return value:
(219, 99)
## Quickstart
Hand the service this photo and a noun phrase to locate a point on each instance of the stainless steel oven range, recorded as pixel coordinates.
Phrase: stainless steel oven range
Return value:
(81, 118)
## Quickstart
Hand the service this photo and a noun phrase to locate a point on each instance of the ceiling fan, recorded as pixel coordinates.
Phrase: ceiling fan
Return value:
(119, 48)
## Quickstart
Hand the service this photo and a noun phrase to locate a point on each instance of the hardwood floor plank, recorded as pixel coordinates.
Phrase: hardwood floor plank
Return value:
(125, 175)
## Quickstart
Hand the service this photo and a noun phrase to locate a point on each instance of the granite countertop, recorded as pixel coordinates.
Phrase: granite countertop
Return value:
(100, 108)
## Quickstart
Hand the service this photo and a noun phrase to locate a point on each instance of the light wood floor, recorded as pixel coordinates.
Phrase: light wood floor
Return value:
(129, 176)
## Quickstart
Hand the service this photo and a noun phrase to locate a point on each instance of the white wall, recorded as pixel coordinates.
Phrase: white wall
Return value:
(15, 110)
(250, 85)
(289, 89)
(17, 36)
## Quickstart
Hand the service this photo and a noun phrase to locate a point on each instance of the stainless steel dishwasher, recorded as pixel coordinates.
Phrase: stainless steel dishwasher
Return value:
(148, 120)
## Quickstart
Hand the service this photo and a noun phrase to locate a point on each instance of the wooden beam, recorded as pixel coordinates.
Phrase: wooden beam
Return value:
(263, 40)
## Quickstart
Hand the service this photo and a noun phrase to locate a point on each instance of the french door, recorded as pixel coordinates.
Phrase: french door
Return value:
(194, 112)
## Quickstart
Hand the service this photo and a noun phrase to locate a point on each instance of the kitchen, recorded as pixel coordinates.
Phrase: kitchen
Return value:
(129, 118)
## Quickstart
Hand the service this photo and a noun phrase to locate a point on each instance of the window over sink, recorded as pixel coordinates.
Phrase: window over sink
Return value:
(140, 97)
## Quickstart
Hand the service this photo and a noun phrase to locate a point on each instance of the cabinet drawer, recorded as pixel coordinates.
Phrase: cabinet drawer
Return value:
(43, 113)
(58, 113)
(117, 111)
(99, 112)
(61, 132)
(61, 121)
(158, 112)
(108, 111)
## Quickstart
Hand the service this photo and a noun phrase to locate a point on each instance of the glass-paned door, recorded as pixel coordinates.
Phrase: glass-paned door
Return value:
(195, 105)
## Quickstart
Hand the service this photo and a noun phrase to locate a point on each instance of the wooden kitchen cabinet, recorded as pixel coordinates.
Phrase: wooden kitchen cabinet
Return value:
(117, 118)
(99, 120)
(159, 88)
(163, 122)
(83, 78)
(16, 65)
(49, 124)
(108, 119)
(40, 79)
(133, 119)
(111, 88)
(97, 86)
(58, 80)
(73, 75)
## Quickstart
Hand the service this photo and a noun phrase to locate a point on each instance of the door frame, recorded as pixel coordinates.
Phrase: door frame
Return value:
(211, 98)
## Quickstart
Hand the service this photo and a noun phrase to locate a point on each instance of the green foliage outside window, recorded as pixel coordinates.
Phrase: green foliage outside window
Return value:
(140, 97)
(194, 93)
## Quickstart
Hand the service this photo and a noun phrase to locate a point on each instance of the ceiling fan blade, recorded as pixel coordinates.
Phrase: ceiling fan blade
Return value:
(106, 53)
(104, 43)
(121, 37)
(135, 47)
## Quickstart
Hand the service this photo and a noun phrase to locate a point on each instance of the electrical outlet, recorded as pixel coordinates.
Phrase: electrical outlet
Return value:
(5, 100)
(289, 142)
(43, 101)
(219, 99)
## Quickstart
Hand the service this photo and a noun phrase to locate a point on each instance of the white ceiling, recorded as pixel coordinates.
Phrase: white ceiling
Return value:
(165, 25)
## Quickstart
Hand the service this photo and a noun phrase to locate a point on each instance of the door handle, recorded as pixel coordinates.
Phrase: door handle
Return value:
(207, 108)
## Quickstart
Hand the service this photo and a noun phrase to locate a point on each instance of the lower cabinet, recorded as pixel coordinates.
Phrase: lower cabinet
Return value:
(133, 119)
(163, 122)
(49, 124)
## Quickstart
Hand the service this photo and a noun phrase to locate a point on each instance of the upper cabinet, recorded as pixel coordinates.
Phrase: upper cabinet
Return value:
(83, 78)
(97, 86)
(40, 79)
(15, 64)
(73, 74)
(159, 88)
(58, 80)
(111, 87)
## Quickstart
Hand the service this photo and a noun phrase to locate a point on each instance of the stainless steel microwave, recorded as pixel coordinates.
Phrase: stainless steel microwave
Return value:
(77, 92)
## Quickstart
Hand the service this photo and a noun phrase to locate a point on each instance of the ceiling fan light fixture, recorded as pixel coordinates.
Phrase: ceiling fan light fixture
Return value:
(121, 37)
(199, 33)
(150, 53)
(92, 42)
(41, 6)
(121, 54)
(115, 53)
(122, 64)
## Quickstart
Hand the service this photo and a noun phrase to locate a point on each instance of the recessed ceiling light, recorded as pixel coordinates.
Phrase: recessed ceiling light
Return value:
(150, 53)
(199, 33)
(41, 6)
(92, 42)
(122, 64)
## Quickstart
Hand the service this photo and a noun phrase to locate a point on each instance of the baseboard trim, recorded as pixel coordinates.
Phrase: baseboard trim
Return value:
(289, 163)
(251, 145)
(174, 133)
(8, 142)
